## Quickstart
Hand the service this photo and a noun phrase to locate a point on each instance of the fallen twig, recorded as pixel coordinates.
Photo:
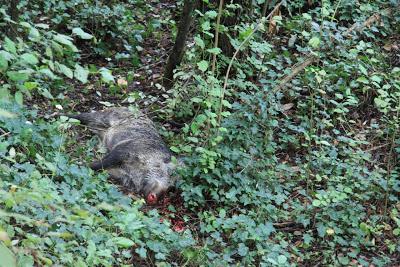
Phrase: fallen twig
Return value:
(5, 134)
(376, 147)
(296, 69)
(374, 18)
(310, 59)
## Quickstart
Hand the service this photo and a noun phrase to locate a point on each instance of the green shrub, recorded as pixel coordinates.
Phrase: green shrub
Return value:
(263, 158)
(54, 211)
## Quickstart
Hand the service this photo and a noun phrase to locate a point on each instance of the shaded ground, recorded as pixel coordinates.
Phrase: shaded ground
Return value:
(144, 81)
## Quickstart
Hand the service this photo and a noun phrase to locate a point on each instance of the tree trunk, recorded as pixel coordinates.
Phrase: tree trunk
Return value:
(176, 55)
(265, 7)
(225, 44)
(14, 14)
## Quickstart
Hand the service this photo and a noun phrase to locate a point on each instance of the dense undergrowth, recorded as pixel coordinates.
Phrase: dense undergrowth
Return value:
(278, 171)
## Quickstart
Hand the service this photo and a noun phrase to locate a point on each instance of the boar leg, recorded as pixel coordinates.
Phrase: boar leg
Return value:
(113, 158)
(96, 120)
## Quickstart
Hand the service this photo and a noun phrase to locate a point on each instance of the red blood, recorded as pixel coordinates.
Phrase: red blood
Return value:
(151, 198)
(179, 226)
(166, 201)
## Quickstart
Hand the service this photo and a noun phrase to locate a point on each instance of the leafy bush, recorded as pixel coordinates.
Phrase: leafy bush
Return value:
(40, 60)
(116, 25)
(271, 158)
(61, 213)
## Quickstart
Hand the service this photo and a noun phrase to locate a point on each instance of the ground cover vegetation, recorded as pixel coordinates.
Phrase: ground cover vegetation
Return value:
(286, 114)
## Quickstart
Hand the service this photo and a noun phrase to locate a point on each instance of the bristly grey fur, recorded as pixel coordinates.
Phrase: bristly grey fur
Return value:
(137, 155)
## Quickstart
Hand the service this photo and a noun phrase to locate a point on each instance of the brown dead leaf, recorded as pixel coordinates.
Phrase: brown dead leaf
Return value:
(287, 106)
(298, 243)
(296, 169)
(272, 29)
(122, 82)
(335, 142)
(374, 18)
(390, 46)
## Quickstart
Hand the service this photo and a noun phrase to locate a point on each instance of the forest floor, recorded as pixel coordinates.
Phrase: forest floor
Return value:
(141, 86)
(145, 80)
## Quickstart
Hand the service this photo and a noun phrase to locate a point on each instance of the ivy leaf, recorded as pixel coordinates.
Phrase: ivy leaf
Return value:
(268, 228)
(4, 95)
(381, 103)
(376, 78)
(57, 47)
(363, 80)
(18, 76)
(6, 55)
(47, 72)
(314, 42)
(83, 35)
(44, 92)
(211, 14)
(344, 260)
(215, 50)
(246, 33)
(42, 25)
(316, 203)
(123, 242)
(30, 85)
(19, 98)
(321, 229)
(81, 74)
(202, 65)
(10, 46)
(25, 261)
(142, 252)
(363, 69)
(106, 75)
(34, 34)
(3, 62)
(65, 70)
(396, 231)
(199, 42)
(323, 142)
(29, 58)
(200, 119)
(7, 114)
(282, 259)
(307, 239)
(175, 149)
(307, 16)
(65, 40)
(243, 249)
(225, 103)
(6, 256)
(25, 24)
(206, 26)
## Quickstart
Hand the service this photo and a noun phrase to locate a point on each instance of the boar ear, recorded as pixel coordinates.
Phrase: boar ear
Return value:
(181, 162)
(114, 158)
